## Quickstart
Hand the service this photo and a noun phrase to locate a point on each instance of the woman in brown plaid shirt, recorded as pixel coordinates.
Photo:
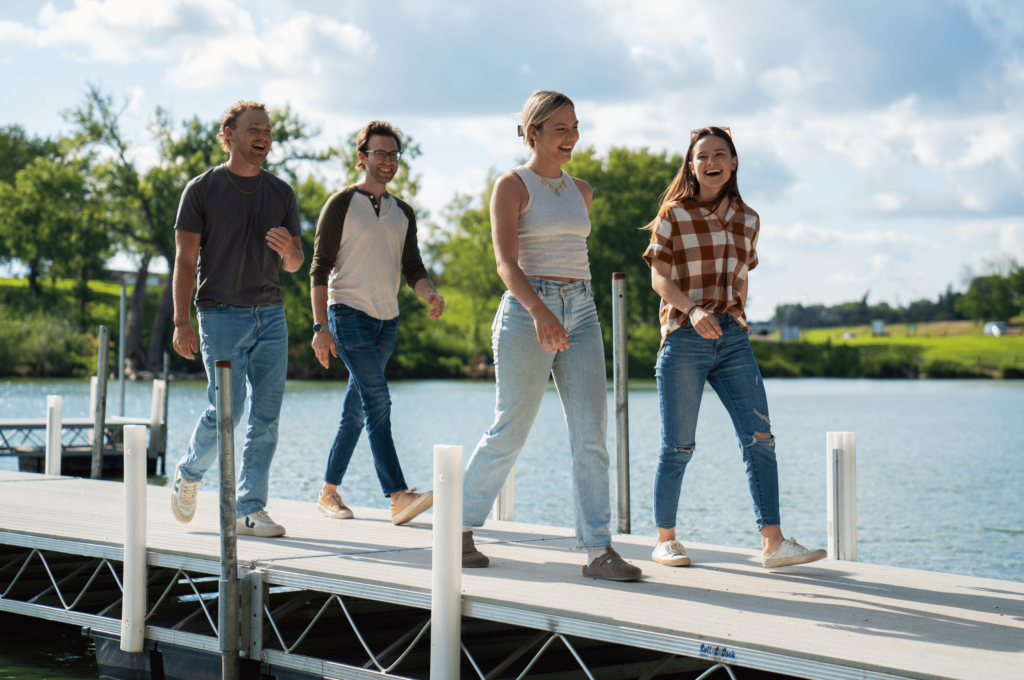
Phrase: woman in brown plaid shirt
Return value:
(703, 243)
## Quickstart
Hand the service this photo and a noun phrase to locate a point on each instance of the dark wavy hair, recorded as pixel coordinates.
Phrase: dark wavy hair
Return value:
(376, 127)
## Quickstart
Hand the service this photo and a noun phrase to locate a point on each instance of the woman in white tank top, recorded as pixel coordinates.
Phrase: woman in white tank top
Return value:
(546, 325)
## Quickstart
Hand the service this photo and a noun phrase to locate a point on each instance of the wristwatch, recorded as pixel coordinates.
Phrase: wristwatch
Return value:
(317, 327)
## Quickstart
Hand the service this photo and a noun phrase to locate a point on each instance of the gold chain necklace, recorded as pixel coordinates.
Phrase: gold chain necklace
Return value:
(247, 193)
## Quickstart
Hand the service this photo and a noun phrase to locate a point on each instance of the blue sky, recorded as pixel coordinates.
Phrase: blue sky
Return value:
(881, 142)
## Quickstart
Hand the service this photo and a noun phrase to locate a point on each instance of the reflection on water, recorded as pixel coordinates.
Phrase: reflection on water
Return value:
(938, 475)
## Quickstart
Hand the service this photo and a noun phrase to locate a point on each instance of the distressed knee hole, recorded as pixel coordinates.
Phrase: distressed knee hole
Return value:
(762, 435)
(684, 449)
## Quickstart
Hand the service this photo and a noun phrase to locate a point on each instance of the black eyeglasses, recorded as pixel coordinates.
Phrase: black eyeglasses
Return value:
(384, 155)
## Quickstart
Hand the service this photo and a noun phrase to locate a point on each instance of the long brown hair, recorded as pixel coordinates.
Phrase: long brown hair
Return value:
(685, 185)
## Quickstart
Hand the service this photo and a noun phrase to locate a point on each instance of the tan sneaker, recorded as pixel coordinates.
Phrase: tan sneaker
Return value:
(611, 567)
(409, 504)
(471, 557)
(331, 505)
(183, 497)
(790, 553)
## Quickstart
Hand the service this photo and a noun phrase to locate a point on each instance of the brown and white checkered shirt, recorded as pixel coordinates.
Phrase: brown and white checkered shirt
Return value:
(710, 258)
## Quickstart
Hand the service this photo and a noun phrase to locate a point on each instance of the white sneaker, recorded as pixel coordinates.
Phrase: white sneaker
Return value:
(671, 554)
(258, 524)
(790, 553)
(183, 497)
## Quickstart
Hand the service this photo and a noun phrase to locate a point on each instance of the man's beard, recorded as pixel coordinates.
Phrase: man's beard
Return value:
(251, 156)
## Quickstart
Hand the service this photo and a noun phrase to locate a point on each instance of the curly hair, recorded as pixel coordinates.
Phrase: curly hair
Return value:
(376, 127)
(230, 119)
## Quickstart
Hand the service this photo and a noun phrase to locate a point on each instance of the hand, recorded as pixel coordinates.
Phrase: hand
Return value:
(436, 303)
(323, 342)
(705, 324)
(184, 340)
(550, 333)
(280, 241)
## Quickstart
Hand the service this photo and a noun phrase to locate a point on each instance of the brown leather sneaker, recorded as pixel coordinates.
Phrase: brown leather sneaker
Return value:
(471, 557)
(611, 567)
(331, 505)
(409, 504)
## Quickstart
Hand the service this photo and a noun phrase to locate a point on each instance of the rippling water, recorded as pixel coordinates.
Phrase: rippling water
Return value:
(939, 463)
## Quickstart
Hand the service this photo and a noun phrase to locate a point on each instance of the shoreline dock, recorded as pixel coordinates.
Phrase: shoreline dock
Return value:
(830, 619)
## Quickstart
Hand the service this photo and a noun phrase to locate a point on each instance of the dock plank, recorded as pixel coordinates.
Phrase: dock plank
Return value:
(876, 618)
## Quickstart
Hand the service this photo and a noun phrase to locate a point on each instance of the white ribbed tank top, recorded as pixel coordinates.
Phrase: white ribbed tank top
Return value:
(553, 227)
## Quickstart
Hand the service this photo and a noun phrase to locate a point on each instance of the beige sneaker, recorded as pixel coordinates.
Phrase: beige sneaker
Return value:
(409, 504)
(790, 553)
(331, 505)
(183, 497)
(258, 524)
(611, 567)
(671, 554)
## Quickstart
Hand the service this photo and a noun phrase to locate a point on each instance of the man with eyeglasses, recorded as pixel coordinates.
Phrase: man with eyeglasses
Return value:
(366, 239)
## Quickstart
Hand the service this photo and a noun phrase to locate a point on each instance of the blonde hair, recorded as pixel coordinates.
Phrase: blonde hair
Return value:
(230, 119)
(538, 108)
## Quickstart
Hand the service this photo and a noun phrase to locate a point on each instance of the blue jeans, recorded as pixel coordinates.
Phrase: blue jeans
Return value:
(255, 341)
(685, 361)
(364, 344)
(522, 367)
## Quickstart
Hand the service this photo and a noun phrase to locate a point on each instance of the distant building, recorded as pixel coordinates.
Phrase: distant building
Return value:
(791, 332)
(128, 278)
(878, 327)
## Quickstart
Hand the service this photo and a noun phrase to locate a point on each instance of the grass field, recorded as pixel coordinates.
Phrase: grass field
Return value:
(961, 342)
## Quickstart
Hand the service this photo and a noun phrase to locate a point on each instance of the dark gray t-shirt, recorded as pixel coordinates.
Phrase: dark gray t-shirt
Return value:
(236, 264)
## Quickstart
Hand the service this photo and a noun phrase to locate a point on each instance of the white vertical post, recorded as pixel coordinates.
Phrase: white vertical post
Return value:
(505, 503)
(54, 429)
(446, 575)
(133, 607)
(841, 494)
(121, 349)
(93, 388)
(157, 414)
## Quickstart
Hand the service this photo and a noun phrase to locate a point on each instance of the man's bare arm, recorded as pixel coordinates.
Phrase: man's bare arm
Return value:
(186, 257)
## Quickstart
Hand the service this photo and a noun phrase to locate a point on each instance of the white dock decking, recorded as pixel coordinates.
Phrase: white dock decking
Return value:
(859, 620)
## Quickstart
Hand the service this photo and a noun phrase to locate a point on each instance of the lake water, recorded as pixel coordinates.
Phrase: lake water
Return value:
(939, 468)
(939, 463)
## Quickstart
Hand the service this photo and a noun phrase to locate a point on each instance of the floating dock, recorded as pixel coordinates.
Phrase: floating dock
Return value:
(323, 599)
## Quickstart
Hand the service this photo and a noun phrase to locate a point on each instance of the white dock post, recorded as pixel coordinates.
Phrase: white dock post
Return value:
(54, 429)
(446, 574)
(157, 415)
(133, 606)
(505, 503)
(121, 349)
(841, 476)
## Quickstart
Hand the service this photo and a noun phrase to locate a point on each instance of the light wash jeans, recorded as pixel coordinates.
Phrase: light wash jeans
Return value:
(255, 341)
(365, 344)
(522, 367)
(685, 361)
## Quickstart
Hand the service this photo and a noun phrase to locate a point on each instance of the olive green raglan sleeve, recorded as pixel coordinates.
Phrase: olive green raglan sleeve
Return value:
(327, 242)
(412, 262)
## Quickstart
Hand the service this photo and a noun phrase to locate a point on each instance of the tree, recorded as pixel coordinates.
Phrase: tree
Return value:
(48, 222)
(990, 297)
(17, 150)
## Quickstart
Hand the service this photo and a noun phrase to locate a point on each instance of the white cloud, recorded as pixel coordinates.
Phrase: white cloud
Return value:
(815, 236)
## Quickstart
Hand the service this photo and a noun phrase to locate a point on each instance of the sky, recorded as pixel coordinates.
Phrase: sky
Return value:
(882, 143)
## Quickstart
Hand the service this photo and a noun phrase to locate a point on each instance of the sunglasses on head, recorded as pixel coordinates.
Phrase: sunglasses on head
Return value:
(693, 133)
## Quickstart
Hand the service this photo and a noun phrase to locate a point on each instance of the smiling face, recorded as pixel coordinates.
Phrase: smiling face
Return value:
(557, 136)
(251, 137)
(382, 171)
(712, 165)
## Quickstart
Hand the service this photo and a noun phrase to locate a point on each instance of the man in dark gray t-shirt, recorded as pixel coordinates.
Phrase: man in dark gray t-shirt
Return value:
(237, 225)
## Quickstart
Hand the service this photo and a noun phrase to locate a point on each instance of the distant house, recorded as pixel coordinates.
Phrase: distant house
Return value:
(878, 327)
(761, 327)
(128, 278)
(791, 332)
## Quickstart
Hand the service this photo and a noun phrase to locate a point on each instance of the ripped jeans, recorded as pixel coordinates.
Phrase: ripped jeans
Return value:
(685, 361)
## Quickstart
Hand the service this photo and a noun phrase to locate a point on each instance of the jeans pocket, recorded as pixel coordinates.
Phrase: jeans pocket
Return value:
(216, 309)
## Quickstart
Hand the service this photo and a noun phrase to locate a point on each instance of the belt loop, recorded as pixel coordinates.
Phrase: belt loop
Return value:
(543, 287)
